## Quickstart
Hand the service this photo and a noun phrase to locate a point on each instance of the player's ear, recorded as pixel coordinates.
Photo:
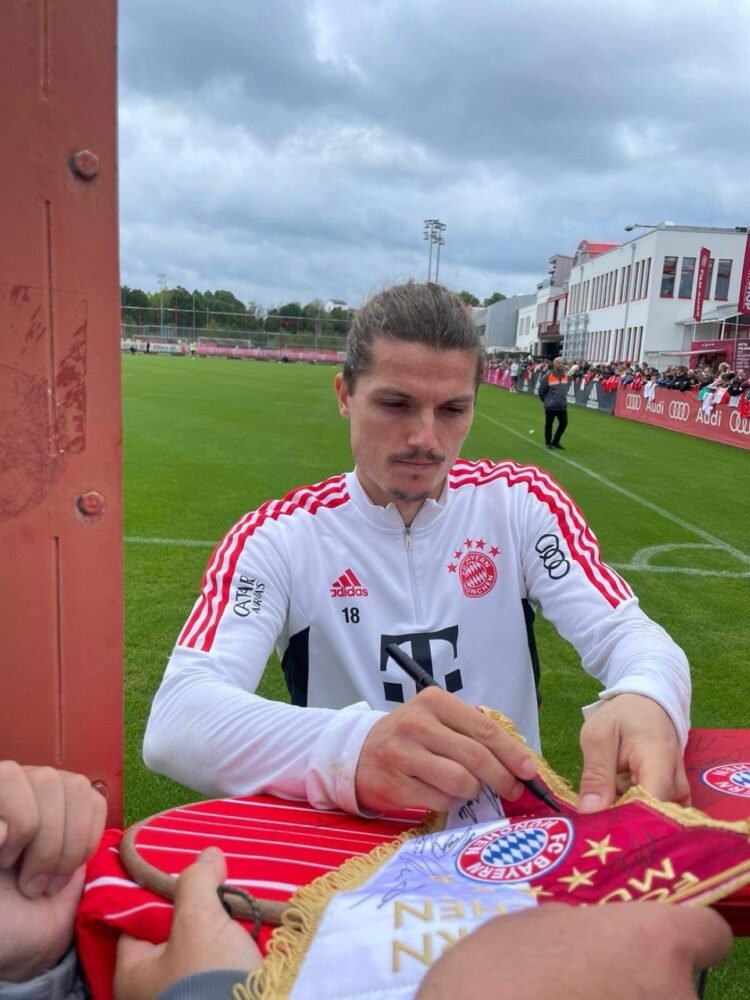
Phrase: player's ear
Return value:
(342, 394)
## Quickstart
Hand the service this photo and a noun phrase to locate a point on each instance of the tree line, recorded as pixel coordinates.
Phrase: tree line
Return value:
(222, 310)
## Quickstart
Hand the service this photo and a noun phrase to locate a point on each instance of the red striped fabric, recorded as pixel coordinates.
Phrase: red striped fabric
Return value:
(272, 847)
(572, 525)
(200, 629)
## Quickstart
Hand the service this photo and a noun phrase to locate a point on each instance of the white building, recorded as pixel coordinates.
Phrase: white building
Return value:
(635, 302)
(526, 338)
(538, 330)
(497, 323)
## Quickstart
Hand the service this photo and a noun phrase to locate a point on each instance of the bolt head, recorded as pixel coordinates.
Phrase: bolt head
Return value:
(91, 503)
(84, 163)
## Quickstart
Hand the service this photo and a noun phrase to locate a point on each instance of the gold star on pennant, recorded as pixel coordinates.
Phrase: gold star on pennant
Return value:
(601, 848)
(536, 891)
(577, 879)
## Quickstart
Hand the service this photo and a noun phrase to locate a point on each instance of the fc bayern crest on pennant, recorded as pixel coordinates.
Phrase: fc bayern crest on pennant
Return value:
(732, 779)
(475, 568)
(518, 852)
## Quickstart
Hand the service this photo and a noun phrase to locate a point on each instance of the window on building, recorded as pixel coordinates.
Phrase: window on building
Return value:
(647, 278)
(627, 283)
(638, 345)
(686, 278)
(668, 277)
(723, 274)
(709, 279)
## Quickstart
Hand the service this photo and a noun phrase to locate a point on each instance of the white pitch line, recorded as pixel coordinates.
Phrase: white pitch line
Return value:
(193, 543)
(638, 566)
(689, 570)
(699, 532)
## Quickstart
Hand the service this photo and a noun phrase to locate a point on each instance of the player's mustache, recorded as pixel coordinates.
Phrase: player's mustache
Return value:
(419, 456)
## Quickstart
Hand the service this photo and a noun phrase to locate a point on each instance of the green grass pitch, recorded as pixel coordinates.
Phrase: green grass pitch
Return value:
(208, 439)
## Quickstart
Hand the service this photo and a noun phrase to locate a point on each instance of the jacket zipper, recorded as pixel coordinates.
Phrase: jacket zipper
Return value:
(412, 574)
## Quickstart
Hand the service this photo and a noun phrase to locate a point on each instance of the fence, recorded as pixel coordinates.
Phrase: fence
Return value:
(319, 330)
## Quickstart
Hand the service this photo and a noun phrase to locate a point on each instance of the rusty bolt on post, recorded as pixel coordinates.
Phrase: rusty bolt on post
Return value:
(84, 163)
(91, 503)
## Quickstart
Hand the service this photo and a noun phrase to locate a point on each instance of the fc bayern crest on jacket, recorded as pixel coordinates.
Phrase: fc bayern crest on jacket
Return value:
(474, 564)
(732, 779)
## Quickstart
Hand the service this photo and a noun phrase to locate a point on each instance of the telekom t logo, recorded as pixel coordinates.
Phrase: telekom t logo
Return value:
(421, 651)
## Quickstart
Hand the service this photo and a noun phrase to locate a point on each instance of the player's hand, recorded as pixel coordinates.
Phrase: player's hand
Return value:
(583, 953)
(435, 752)
(203, 937)
(630, 733)
(50, 822)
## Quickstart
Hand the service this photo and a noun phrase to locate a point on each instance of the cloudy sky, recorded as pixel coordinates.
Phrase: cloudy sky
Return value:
(291, 149)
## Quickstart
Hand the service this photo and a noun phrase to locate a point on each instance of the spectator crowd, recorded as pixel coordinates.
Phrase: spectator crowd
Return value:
(714, 384)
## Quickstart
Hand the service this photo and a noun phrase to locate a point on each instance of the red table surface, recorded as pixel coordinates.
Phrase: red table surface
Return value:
(718, 769)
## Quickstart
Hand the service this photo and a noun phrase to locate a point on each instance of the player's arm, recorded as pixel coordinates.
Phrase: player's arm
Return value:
(594, 609)
(209, 730)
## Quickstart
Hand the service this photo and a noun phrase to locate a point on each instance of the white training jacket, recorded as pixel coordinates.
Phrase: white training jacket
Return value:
(330, 579)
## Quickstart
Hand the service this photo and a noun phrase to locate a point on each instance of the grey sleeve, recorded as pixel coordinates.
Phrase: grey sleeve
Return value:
(63, 981)
(214, 985)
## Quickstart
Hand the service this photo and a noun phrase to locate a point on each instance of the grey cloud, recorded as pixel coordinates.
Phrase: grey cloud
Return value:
(294, 148)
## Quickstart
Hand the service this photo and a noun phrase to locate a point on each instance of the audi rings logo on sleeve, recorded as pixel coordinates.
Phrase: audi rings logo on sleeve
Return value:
(738, 424)
(552, 557)
(679, 409)
(633, 401)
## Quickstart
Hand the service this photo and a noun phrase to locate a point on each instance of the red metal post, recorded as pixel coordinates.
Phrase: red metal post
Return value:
(60, 423)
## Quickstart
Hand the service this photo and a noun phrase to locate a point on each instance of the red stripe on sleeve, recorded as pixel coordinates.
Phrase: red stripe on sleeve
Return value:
(200, 629)
(582, 544)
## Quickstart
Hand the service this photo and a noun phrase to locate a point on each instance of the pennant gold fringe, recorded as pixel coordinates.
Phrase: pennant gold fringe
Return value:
(290, 941)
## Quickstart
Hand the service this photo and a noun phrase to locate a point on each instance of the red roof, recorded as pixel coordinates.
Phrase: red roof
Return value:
(596, 248)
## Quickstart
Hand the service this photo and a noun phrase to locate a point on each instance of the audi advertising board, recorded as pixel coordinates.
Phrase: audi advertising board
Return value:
(678, 411)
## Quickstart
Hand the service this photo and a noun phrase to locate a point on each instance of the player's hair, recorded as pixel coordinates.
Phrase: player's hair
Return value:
(415, 313)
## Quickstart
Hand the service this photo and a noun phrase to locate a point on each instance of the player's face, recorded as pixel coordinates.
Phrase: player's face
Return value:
(409, 414)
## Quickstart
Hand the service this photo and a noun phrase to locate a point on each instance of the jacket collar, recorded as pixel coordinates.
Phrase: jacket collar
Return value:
(389, 517)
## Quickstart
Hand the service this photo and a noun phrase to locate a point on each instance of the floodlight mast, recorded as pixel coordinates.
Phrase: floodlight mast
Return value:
(433, 230)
